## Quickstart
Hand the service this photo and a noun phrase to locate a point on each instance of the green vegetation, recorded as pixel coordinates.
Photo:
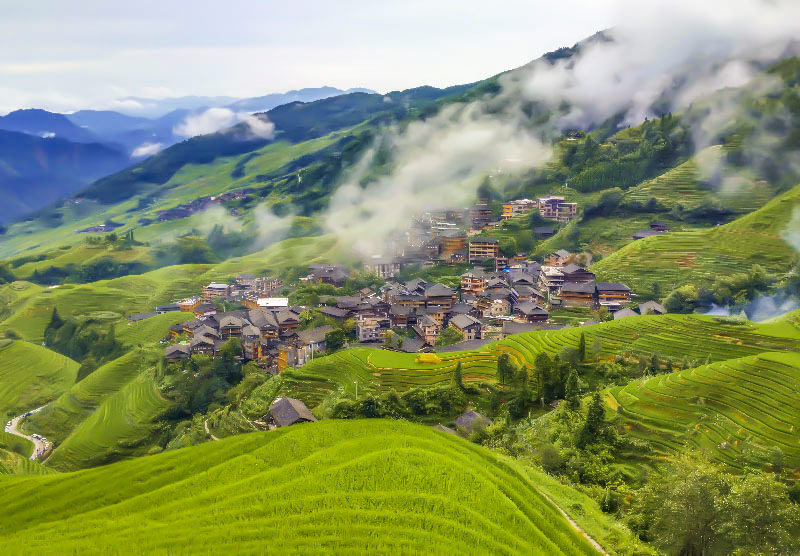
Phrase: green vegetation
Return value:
(358, 479)
(31, 376)
(698, 257)
(737, 410)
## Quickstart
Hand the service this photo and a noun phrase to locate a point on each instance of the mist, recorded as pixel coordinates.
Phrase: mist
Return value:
(216, 119)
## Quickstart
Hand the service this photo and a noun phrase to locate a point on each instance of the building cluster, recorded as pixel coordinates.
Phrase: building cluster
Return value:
(550, 207)
(200, 204)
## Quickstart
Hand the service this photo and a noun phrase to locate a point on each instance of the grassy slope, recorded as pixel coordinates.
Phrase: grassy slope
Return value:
(751, 401)
(344, 487)
(699, 256)
(113, 300)
(671, 336)
(30, 376)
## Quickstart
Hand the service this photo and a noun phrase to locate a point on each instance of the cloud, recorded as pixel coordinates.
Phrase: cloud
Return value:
(146, 149)
(215, 119)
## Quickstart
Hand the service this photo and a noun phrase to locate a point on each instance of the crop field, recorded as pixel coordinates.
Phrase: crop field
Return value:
(30, 376)
(150, 330)
(12, 463)
(723, 408)
(696, 337)
(120, 427)
(367, 486)
(682, 186)
(700, 256)
(60, 417)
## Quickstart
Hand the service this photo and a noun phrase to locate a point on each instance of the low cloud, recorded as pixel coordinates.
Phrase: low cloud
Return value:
(215, 119)
(146, 149)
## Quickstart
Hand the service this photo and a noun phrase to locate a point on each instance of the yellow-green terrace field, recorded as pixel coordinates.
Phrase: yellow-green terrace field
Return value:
(366, 486)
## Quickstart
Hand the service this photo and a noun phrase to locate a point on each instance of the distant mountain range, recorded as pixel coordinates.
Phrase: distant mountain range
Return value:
(45, 156)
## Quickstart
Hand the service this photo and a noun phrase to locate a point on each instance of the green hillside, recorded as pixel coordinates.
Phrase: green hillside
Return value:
(330, 487)
(695, 337)
(30, 376)
(698, 257)
(122, 426)
(727, 408)
(61, 416)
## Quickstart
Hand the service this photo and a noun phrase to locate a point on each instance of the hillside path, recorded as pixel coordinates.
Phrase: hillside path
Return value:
(208, 432)
(577, 527)
(39, 446)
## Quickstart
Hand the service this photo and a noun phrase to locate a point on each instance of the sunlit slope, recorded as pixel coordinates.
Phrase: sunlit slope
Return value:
(724, 408)
(121, 426)
(331, 487)
(700, 256)
(694, 337)
(30, 376)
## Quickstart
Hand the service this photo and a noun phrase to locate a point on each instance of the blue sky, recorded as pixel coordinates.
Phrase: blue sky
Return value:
(86, 53)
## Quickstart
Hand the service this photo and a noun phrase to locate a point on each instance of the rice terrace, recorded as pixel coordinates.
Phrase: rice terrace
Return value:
(317, 278)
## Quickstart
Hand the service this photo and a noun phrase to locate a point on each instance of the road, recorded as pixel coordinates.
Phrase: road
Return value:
(577, 527)
(40, 447)
(208, 432)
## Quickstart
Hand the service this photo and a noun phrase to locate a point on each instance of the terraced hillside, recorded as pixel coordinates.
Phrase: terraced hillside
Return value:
(724, 408)
(699, 256)
(330, 487)
(30, 376)
(121, 426)
(60, 417)
(696, 337)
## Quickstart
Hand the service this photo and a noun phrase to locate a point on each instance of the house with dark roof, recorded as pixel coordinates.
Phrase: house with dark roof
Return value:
(575, 273)
(288, 411)
(470, 327)
(427, 329)
(530, 311)
(471, 421)
(178, 351)
(651, 308)
(336, 313)
(625, 313)
(578, 294)
(411, 345)
(169, 308)
(511, 327)
(608, 292)
(402, 316)
(646, 233)
(439, 295)
(543, 232)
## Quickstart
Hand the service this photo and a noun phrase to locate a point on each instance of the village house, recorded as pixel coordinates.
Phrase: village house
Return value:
(450, 243)
(471, 421)
(473, 281)
(575, 273)
(470, 327)
(531, 312)
(427, 329)
(385, 267)
(321, 273)
(625, 313)
(612, 292)
(440, 296)
(178, 351)
(402, 316)
(543, 232)
(558, 259)
(371, 329)
(651, 308)
(554, 207)
(550, 280)
(215, 290)
(188, 305)
(577, 294)
(169, 308)
(515, 208)
(204, 310)
(288, 411)
(481, 249)
(479, 215)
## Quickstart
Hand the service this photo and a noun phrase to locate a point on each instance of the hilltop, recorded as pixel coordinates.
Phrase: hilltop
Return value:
(324, 487)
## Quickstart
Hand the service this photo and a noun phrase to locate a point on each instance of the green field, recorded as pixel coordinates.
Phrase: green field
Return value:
(696, 337)
(121, 426)
(366, 486)
(723, 408)
(30, 376)
(150, 330)
(700, 256)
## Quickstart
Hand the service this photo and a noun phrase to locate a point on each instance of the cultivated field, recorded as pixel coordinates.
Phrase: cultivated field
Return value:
(331, 487)
(724, 409)
(30, 376)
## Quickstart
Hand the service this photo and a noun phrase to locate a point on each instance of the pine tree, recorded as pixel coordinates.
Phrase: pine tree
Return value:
(595, 420)
(655, 365)
(582, 348)
(458, 379)
(505, 368)
(571, 394)
(56, 321)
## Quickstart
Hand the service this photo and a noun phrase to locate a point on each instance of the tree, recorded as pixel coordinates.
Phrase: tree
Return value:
(505, 368)
(458, 378)
(656, 290)
(55, 321)
(571, 395)
(595, 421)
(582, 348)
(334, 340)
(655, 365)
(449, 336)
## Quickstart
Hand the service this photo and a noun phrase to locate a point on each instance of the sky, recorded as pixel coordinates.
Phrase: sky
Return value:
(64, 56)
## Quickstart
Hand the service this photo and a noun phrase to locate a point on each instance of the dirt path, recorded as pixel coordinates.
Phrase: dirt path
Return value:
(577, 527)
(40, 446)
(208, 432)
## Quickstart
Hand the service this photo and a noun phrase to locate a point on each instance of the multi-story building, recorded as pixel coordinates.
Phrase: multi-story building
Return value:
(556, 208)
(515, 208)
(215, 289)
(473, 281)
(450, 242)
(551, 279)
(481, 249)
